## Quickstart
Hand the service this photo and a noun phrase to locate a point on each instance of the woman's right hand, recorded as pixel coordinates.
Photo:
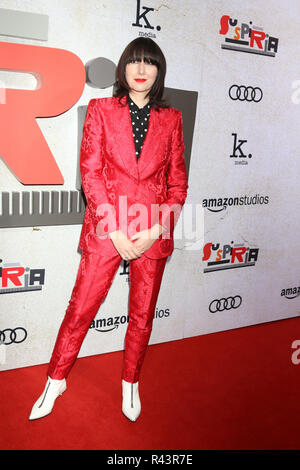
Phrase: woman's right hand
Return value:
(124, 246)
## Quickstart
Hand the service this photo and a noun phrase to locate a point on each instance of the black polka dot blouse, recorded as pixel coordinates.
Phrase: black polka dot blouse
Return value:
(139, 121)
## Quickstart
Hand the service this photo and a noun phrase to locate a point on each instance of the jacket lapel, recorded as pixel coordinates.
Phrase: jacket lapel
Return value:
(125, 140)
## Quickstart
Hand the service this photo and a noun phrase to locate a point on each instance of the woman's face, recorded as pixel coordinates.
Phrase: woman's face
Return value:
(143, 71)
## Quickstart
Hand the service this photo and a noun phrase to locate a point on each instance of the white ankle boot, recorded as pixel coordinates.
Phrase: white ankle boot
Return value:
(43, 406)
(131, 404)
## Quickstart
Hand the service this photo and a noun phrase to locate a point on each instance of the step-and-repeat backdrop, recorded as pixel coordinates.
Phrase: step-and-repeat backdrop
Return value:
(233, 70)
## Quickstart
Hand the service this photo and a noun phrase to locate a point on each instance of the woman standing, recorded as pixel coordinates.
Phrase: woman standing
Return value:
(134, 178)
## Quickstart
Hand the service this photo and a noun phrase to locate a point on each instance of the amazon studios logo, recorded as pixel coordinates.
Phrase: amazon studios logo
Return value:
(218, 204)
(16, 278)
(105, 325)
(291, 292)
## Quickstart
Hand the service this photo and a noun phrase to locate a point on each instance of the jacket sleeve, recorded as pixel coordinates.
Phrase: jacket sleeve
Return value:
(102, 211)
(177, 184)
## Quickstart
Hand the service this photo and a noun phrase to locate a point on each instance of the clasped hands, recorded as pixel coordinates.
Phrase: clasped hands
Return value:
(130, 249)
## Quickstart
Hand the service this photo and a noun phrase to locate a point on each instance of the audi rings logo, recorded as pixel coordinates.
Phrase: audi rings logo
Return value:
(10, 336)
(218, 305)
(245, 93)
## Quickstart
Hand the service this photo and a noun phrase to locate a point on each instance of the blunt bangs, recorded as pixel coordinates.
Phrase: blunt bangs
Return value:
(147, 49)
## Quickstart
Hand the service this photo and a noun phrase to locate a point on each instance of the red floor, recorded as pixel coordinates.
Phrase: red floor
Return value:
(236, 389)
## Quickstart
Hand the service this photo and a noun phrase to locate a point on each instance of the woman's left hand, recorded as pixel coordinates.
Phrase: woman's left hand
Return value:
(146, 238)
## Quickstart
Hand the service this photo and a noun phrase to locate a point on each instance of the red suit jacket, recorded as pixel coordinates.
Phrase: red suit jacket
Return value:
(113, 179)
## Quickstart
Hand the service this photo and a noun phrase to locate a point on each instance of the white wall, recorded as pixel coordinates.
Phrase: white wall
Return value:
(190, 40)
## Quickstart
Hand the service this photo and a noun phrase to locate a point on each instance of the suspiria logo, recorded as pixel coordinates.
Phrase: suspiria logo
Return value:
(235, 255)
(17, 278)
(247, 37)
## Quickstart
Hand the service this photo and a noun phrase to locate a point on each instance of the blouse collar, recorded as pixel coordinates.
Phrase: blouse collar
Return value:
(145, 110)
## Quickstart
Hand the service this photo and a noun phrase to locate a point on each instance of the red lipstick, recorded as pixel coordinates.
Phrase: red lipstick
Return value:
(140, 79)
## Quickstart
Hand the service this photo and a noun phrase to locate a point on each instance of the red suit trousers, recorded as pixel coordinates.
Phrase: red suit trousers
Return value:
(94, 278)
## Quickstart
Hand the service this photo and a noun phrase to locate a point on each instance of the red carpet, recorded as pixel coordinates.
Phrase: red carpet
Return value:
(236, 389)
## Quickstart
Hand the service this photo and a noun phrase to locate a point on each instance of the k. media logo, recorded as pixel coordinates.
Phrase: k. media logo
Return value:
(17, 278)
(229, 256)
(142, 20)
(247, 37)
(237, 151)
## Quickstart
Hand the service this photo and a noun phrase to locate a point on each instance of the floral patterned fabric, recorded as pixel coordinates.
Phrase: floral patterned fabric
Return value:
(94, 278)
(110, 171)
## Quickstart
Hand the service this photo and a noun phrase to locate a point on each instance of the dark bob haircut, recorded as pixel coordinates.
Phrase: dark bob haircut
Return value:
(138, 49)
